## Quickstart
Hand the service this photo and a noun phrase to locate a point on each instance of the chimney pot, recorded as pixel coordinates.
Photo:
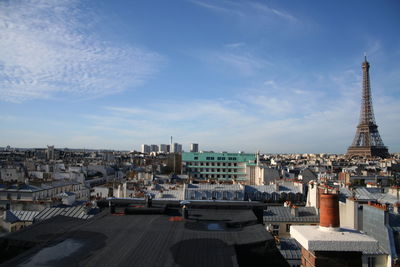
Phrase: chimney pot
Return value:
(294, 211)
(329, 210)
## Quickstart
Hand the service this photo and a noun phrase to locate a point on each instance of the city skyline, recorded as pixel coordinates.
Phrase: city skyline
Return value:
(279, 77)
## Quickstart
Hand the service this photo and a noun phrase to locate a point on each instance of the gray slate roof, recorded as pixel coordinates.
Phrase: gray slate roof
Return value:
(75, 212)
(289, 249)
(283, 214)
(25, 215)
(368, 194)
(20, 216)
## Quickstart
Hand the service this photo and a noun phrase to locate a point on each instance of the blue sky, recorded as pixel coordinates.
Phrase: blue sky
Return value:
(278, 76)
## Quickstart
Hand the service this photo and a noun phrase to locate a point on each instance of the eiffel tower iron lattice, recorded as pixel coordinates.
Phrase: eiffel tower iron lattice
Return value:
(367, 141)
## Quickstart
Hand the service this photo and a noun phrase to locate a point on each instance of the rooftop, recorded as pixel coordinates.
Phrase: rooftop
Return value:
(314, 238)
(367, 194)
(223, 237)
(284, 214)
(289, 248)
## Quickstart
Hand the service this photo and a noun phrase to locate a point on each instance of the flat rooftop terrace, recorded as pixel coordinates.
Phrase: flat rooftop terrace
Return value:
(314, 238)
(209, 237)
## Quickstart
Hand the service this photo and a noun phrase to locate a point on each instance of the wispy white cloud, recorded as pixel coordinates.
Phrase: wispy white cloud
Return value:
(276, 117)
(373, 47)
(233, 123)
(243, 63)
(233, 57)
(235, 45)
(246, 9)
(222, 6)
(49, 48)
(269, 10)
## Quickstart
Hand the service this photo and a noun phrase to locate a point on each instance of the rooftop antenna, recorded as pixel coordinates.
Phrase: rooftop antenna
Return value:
(365, 56)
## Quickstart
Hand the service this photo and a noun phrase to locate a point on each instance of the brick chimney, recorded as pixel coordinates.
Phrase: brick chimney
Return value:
(329, 210)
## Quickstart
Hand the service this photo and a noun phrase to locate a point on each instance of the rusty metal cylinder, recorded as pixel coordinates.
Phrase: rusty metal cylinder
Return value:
(329, 210)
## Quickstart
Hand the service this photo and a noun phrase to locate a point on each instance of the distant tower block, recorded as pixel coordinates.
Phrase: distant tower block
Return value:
(367, 141)
(194, 147)
(50, 153)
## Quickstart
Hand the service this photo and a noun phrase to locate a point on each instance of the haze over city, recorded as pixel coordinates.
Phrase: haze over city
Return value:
(230, 75)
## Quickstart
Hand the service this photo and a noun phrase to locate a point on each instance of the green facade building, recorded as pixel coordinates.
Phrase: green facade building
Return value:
(217, 166)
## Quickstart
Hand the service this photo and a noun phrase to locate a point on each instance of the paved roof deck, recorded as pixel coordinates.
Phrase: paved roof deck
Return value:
(149, 240)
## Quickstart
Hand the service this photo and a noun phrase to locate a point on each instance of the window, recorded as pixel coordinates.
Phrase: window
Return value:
(371, 261)
(275, 229)
(288, 227)
(196, 158)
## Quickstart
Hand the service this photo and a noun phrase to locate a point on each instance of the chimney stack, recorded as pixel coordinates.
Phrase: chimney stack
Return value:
(329, 210)
(294, 210)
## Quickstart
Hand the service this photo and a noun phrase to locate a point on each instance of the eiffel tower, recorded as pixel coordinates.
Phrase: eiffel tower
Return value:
(367, 141)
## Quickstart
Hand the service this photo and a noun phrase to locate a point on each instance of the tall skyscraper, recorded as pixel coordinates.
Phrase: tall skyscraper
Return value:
(367, 141)
(194, 147)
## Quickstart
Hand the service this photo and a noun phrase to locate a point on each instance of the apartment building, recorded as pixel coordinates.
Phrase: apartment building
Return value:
(217, 166)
